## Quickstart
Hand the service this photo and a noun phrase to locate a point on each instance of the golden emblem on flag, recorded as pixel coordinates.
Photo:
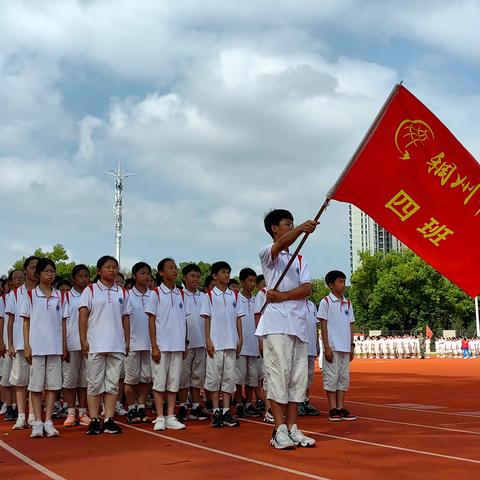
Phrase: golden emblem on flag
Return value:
(412, 133)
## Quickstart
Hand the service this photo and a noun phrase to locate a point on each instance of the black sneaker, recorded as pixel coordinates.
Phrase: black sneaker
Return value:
(251, 411)
(94, 428)
(198, 413)
(111, 427)
(346, 415)
(229, 421)
(133, 417)
(208, 405)
(142, 415)
(334, 415)
(311, 410)
(217, 419)
(182, 414)
(9, 414)
(260, 405)
(240, 410)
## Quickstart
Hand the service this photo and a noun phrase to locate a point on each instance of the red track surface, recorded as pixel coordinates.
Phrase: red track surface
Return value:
(432, 439)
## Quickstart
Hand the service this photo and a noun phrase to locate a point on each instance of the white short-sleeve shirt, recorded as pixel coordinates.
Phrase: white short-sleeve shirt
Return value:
(139, 336)
(223, 310)
(195, 322)
(171, 313)
(73, 298)
(106, 308)
(14, 305)
(3, 303)
(250, 341)
(288, 317)
(339, 315)
(45, 314)
(260, 299)
(312, 331)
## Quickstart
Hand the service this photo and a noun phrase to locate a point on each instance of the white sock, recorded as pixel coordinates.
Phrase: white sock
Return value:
(248, 404)
(141, 405)
(225, 410)
(195, 405)
(31, 416)
(82, 411)
(21, 416)
(183, 405)
(131, 407)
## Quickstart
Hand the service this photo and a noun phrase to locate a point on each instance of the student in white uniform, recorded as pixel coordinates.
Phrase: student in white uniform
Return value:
(20, 372)
(167, 318)
(105, 338)
(223, 336)
(336, 319)
(138, 364)
(16, 278)
(305, 408)
(74, 366)
(247, 364)
(43, 334)
(283, 327)
(193, 367)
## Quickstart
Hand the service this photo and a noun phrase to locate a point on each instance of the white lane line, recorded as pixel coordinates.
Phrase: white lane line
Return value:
(456, 430)
(227, 454)
(30, 462)
(457, 414)
(381, 445)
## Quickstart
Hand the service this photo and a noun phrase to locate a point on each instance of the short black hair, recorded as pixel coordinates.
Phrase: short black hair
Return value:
(10, 275)
(63, 282)
(129, 283)
(139, 265)
(274, 217)
(103, 260)
(232, 281)
(260, 278)
(42, 264)
(246, 272)
(191, 267)
(27, 261)
(217, 266)
(208, 281)
(331, 276)
(78, 268)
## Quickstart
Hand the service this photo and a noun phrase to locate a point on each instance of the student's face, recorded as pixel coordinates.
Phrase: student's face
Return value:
(261, 284)
(169, 271)
(211, 285)
(151, 283)
(64, 288)
(249, 283)
(47, 276)
(142, 277)
(81, 279)
(233, 287)
(30, 271)
(120, 281)
(338, 286)
(283, 227)
(222, 277)
(18, 279)
(109, 271)
(192, 280)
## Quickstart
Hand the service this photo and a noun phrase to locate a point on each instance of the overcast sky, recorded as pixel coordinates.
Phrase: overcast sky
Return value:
(223, 110)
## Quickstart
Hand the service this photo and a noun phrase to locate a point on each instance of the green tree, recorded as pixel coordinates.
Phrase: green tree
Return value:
(59, 256)
(399, 291)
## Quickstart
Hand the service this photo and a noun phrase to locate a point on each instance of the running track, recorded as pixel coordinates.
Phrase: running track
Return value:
(418, 419)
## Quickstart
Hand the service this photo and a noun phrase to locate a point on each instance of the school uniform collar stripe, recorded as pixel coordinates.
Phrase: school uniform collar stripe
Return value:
(165, 289)
(217, 291)
(74, 293)
(191, 294)
(39, 293)
(140, 294)
(103, 287)
(333, 298)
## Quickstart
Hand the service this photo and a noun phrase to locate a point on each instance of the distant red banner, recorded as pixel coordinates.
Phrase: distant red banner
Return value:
(413, 177)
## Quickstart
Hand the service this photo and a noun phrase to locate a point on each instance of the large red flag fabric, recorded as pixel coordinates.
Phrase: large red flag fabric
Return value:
(413, 177)
(428, 332)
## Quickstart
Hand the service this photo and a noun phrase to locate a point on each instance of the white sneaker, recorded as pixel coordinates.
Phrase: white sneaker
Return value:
(299, 439)
(31, 420)
(3, 410)
(173, 424)
(37, 430)
(119, 410)
(20, 424)
(281, 440)
(159, 424)
(50, 430)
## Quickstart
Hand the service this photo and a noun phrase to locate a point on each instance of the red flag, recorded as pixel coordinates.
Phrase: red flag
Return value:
(428, 332)
(413, 177)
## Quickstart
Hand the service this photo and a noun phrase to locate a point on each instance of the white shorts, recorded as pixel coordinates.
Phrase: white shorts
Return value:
(6, 371)
(20, 373)
(103, 372)
(193, 368)
(45, 373)
(75, 371)
(311, 370)
(286, 367)
(138, 367)
(246, 371)
(220, 371)
(336, 374)
(166, 373)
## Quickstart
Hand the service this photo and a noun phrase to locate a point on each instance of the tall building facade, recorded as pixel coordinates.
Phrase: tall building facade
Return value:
(366, 235)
